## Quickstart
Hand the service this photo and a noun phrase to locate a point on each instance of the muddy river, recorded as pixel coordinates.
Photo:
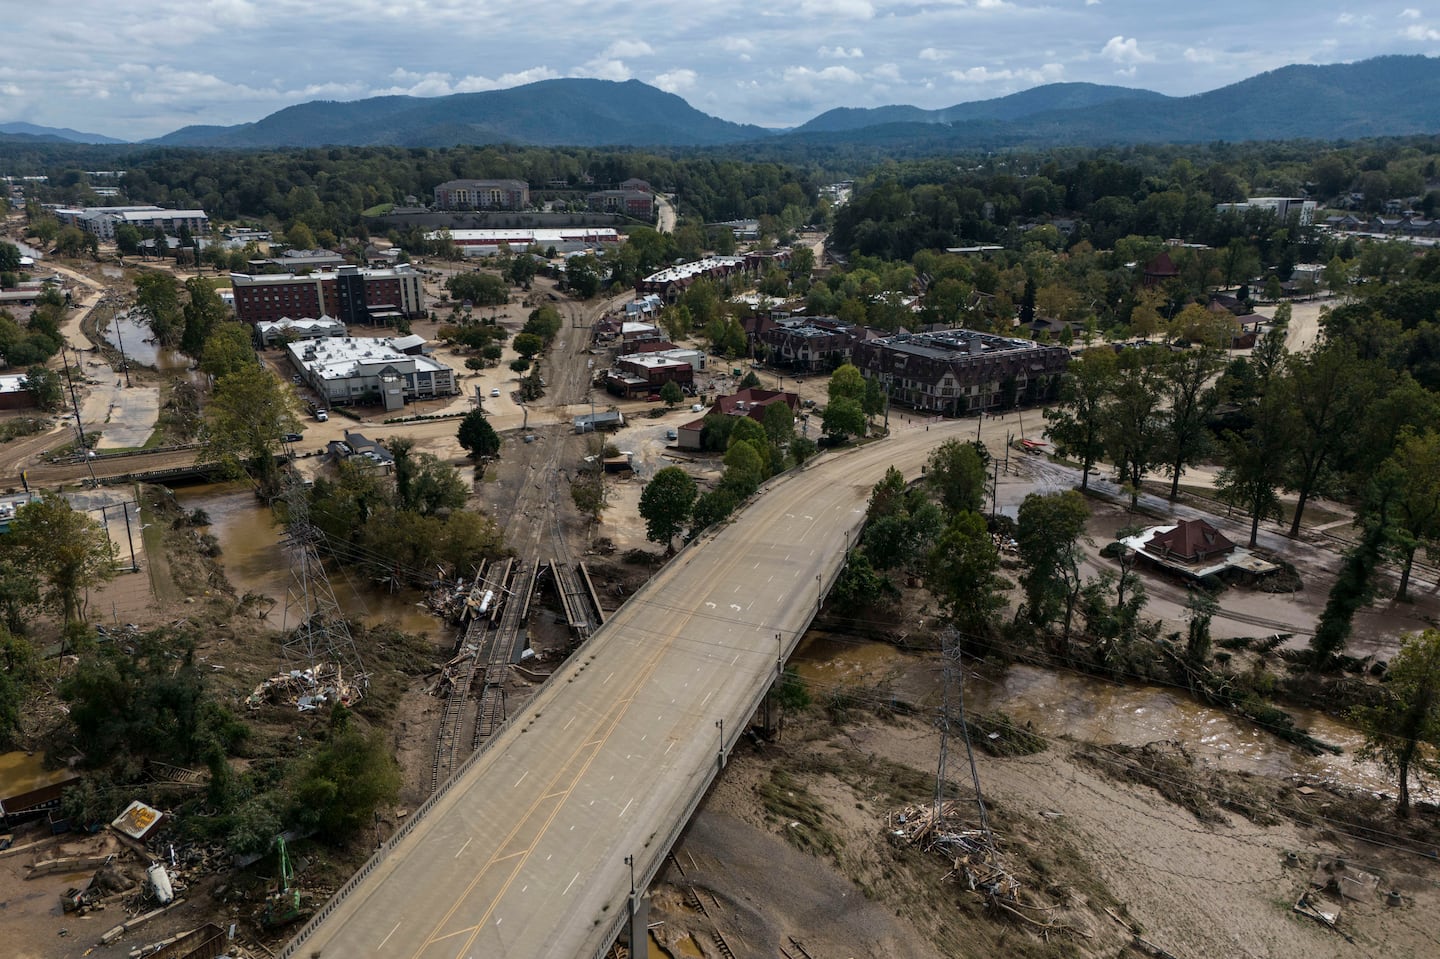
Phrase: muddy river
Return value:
(132, 338)
(1083, 707)
(255, 561)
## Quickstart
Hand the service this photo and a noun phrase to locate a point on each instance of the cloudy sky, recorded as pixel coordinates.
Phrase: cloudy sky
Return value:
(140, 69)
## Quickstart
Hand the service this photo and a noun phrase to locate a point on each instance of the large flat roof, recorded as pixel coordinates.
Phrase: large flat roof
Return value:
(685, 271)
(342, 357)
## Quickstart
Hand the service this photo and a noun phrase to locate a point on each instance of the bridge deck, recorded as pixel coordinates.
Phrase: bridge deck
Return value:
(524, 854)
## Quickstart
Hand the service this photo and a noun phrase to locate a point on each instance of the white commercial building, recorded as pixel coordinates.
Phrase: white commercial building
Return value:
(569, 240)
(347, 370)
(1283, 207)
(285, 330)
(101, 221)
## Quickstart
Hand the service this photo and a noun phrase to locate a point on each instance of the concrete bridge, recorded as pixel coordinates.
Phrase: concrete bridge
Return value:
(528, 849)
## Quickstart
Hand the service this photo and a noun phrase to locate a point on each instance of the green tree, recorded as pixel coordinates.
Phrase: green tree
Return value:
(1331, 390)
(228, 349)
(1414, 470)
(127, 240)
(711, 507)
(300, 236)
(68, 550)
(957, 474)
(587, 490)
(665, 505)
(423, 483)
(157, 298)
(671, 393)
(44, 385)
(582, 276)
(203, 312)
(338, 787)
(247, 416)
(1048, 535)
(1132, 424)
(528, 345)
(779, 423)
(1256, 465)
(477, 437)
(1077, 421)
(481, 289)
(1354, 588)
(964, 574)
(1402, 729)
(1185, 423)
(847, 382)
(843, 417)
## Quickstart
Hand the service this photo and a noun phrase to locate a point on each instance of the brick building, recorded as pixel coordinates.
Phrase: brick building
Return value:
(951, 372)
(635, 203)
(482, 195)
(350, 294)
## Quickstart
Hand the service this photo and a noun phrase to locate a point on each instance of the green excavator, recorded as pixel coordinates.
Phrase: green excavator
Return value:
(283, 906)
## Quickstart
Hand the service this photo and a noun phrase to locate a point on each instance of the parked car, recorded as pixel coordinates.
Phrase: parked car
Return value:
(321, 416)
(671, 435)
(292, 437)
(494, 391)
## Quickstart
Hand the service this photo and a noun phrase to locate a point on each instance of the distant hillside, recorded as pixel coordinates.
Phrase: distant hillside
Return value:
(1016, 106)
(569, 112)
(55, 134)
(1384, 96)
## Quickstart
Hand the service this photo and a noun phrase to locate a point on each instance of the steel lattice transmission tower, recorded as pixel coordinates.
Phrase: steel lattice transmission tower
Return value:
(316, 636)
(952, 720)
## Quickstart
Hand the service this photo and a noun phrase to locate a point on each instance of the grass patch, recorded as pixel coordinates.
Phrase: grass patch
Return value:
(802, 818)
(379, 209)
(999, 735)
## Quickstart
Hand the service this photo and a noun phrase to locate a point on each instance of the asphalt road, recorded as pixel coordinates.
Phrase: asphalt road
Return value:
(524, 855)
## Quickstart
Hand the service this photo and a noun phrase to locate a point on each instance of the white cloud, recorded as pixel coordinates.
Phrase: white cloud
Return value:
(1348, 19)
(930, 53)
(628, 48)
(606, 69)
(837, 10)
(1421, 32)
(886, 72)
(840, 53)
(1409, 13)
(1092, 3)
(676, 81)
(1047, 73)
(993, 5)
(1125, 50)
(1200, 55)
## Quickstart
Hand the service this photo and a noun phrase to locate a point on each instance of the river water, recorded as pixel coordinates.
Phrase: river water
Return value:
(255, 561)
(133, 338)
(1060, 703)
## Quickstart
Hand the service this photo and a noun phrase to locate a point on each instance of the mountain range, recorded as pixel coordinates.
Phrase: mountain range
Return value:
(1384, 96)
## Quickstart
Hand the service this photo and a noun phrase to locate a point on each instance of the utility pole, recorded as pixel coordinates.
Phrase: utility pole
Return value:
(120, 342)
(720, 725)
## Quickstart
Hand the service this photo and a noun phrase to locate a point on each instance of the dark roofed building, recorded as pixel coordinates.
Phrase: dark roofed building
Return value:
(1160, 270)
(751, 402)
(951, 372)
(1190, 541)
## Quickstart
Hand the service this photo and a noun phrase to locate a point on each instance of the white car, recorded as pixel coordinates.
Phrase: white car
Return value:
(494, 391)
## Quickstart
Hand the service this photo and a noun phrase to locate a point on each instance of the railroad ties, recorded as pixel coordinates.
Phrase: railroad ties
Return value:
(581, 606)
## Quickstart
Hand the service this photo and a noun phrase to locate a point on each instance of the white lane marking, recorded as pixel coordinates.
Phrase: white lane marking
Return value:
(388, 935)
(500, 920)
(525, 887)
(644, 737)
(456, 856)
(608, 678)
(627, 806)
(710, 605)
(756, 566)
(807, 516)
(770, 580)
(567, 725)
(736, 607)
(737, 589)
(669, 747)
(735, 660)
(707, 697)
(521, 779)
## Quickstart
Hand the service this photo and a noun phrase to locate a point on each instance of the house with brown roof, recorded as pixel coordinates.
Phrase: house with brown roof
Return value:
(751, 402)
(1190, 541)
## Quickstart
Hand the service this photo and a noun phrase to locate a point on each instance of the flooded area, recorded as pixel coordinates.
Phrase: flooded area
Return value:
(1083, 707)
(255, 561)
(132, 337)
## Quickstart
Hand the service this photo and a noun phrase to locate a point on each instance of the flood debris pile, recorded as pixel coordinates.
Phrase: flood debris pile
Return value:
(942, 830)
(309, 689)
(1332, 884)
(459, 601)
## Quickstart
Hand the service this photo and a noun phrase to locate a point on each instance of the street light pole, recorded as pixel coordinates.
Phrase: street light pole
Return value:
(720, 725)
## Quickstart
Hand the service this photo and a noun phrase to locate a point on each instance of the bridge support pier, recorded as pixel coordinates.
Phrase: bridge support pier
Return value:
(639, 923)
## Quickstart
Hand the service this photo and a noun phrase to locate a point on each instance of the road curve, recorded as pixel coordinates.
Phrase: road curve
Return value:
(524, 854)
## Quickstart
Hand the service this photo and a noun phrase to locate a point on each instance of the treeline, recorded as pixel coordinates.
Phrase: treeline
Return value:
(331, 189)
(902, 208)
